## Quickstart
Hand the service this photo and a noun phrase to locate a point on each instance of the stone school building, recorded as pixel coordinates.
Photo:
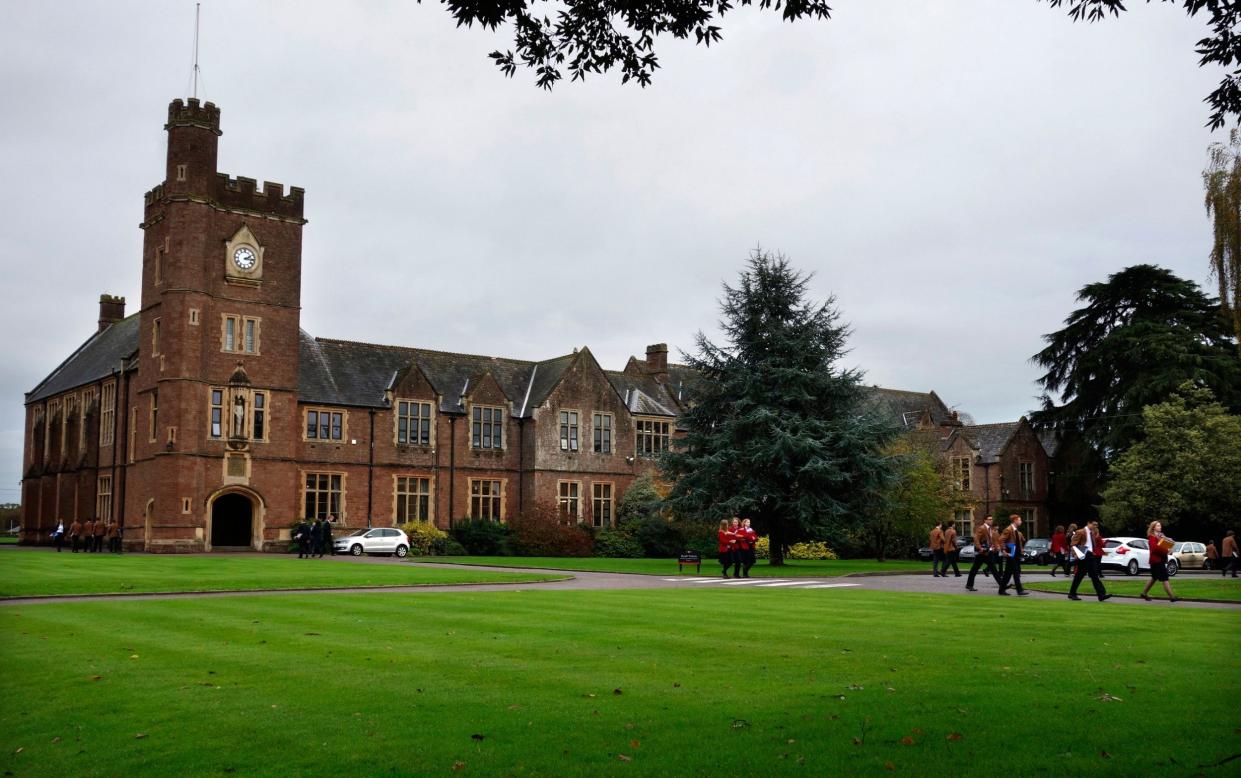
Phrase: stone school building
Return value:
(210, 419)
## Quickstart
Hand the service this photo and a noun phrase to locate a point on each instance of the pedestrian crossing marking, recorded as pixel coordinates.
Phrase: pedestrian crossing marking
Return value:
(787, 583)
(741, 582)
(832, 586)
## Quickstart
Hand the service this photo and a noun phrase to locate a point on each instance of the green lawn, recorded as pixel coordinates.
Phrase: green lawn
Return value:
(685, 682)
(8, 540)
(1197, 587)
(796, 569)
(30, 573)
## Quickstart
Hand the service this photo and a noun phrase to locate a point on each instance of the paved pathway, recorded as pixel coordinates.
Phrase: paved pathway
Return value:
(915, 583)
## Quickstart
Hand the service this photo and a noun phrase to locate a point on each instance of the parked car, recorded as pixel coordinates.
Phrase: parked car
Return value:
(380, 540)
(1037, 551)
(1188, 555)
(968, 552)
(925, 554)
(1131, 555)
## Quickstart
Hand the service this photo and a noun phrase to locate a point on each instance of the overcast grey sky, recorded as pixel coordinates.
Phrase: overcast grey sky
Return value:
(952, 171)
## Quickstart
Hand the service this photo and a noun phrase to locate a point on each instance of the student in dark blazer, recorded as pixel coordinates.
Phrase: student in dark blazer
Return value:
(951, 553)
(1089, 543)
(982, 553)
(1012, 543)
(1228, 554)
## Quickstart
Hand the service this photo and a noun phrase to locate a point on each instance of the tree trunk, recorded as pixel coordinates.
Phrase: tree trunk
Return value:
(776, 539)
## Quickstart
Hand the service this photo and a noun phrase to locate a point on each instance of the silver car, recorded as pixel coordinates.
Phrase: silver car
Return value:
(380, 540)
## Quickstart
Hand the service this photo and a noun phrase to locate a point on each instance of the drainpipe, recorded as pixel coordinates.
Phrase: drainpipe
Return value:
(521, 465)
(115, 443)
(125, 437)
(452, 469)
(370, 470)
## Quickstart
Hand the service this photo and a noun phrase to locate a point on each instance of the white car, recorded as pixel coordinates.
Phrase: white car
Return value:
(380, 540)
(1132, 555)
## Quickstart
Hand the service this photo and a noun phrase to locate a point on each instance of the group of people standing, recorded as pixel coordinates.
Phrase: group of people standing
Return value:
(737, 541)
(89, 536)
(314, 538)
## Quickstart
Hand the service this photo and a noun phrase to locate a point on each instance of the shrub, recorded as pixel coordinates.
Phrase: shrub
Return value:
(640, 501)
(657, 537)
(815, 549)
(481, 537)
(447, 546)
(762, 547)
(542, 531)
(422, 536)
(617, 544)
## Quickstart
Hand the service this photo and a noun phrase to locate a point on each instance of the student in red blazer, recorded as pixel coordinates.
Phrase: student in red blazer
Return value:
(1089, 542)
(1159, 562)
(746, 538)
(728, 545)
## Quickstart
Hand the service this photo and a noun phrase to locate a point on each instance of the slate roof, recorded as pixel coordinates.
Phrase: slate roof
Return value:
(990, 439)
(341, 372)
(1050, 441)
(95, 359)
(904, 408)
(643, 394)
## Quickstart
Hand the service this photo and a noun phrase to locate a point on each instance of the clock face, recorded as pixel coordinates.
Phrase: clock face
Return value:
(244, 258)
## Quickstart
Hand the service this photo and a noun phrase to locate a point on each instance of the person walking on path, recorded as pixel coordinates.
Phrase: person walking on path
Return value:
(325, 538)
(1159, 562)
(1057, 549)
(746, 538)
(316, 537)
(950, 550)
(1229, 554)
(997, 558)
(75, 535)
(1085, 542)
(728, 544)
(302, 536)
(982, 553)
(1012, 543)
(58, 535)
(1212, 555)
(1070, 561)
(937, 550)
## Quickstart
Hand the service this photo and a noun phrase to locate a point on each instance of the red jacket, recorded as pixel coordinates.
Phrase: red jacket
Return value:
(1057, 543)
(728, 539)
(1157, 553)
(746, 538)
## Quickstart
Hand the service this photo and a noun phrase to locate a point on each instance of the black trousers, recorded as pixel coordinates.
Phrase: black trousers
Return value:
(951, 557)
(1230, 566)
(727, 558)
(1012, 573)
(980, 558)
(60, 542)
(99, 544)
(73, 542)
(1088, 566)
(303, 548)
(937, 561)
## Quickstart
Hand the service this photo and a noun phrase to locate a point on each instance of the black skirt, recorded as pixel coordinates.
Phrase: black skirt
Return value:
(1159, 571)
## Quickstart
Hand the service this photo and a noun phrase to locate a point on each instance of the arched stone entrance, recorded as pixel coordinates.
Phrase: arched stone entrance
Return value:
(232, 521)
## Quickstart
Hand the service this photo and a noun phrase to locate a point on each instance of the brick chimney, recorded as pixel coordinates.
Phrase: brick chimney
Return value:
(111, 310)
(657, 360)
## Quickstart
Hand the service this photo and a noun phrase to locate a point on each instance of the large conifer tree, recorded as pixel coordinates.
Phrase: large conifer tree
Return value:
(776, 431)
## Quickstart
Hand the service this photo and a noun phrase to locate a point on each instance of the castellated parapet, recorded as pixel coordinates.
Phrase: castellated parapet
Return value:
(191, 114)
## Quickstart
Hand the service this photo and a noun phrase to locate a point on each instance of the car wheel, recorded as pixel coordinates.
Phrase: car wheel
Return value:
(1042, 559)
(1173, 567)
(356, 549)
(1132, 568)
(401, 551)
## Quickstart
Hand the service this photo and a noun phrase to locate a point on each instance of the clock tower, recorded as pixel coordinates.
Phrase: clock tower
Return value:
(213, 404)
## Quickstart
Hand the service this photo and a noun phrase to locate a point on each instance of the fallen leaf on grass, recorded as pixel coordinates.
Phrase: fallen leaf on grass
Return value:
(907, 741)
(857, 741)
(917, 730)
(96, 677)
(140, 736)
(133, 656)
(839, 696)
(854, 687)
(634, 744)
(955, 736)
(458, 765)
(1105, 697)
(889, 766)
(617, 691)
(312, 634)
(1105, 755)
(676, 686)
(514, 707)
(588, 695)
(477, 736)
(623, 758)
(740, 723)
(18, 751)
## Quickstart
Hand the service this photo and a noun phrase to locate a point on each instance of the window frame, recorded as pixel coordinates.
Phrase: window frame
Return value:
(318, 410)
(422, 501)
(107, 414)
(598, 501)
(569, 505)
(495, 500)
(103, 498)
(233, 340)
(428, 420)
(337, 483)
(601, 443)
(961, 470)
(1025, 477)
(498, 415)
(570, 426)
(654, 436)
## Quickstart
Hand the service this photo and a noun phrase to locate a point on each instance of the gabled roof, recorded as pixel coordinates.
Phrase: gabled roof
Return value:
(990, 439)
(95, 359)
(905, 408)
(1050, 441)
(643, 394)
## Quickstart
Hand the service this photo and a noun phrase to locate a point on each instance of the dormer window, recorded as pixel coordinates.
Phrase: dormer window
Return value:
(487, 427)
(413, 423)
